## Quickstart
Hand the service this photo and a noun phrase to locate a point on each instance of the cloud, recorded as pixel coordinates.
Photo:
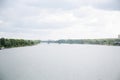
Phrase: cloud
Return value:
(71, 4)
(1, 21)
(64, 4)
(97, 24)
(60, 19)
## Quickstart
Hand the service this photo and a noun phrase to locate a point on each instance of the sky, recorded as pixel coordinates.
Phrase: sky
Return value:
(59, 19)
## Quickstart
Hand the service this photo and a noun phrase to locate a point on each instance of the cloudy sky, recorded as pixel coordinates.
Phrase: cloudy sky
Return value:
(59, 19)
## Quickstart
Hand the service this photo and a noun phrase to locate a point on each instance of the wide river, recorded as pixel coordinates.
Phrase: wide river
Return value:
(60, 62)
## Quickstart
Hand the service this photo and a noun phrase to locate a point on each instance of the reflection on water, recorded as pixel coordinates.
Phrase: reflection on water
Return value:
(60, 62)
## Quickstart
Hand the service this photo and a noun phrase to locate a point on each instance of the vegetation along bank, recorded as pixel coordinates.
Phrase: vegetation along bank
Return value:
(9, 43)
(112, 41)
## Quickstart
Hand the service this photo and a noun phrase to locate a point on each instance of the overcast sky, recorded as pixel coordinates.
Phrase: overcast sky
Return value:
(59, 19)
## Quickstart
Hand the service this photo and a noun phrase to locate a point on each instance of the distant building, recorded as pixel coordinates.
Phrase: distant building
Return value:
(119, 36)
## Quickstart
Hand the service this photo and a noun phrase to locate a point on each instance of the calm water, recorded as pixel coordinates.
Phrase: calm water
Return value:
(60, 62)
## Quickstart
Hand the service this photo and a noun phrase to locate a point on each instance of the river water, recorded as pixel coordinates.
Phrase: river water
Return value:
(60, 62)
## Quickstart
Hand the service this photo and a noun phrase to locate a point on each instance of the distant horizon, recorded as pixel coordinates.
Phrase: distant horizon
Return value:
(62, 38)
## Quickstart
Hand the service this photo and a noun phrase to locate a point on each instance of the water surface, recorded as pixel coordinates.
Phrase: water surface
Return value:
(60, 62)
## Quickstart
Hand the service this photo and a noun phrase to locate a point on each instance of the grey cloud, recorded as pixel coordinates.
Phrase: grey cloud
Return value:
(113, 5)
(6, 3)
(13, 12)
(17, 25)
(54, 4)
(2, 3)
(17, 30)
(64, 4)
(34, 25)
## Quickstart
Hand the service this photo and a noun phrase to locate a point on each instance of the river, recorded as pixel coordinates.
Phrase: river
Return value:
(60, 62)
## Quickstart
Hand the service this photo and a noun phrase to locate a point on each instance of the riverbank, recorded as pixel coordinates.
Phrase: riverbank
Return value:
(110, 42)
(9, 43)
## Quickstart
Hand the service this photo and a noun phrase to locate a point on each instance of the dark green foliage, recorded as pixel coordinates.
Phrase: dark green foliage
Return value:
(8, 43)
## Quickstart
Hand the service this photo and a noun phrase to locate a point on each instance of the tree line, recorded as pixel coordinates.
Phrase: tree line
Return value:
(115, 42)
(8, 43)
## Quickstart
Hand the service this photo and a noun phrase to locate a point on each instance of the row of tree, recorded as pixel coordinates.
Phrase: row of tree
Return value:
(8, 43)
(88, 41)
